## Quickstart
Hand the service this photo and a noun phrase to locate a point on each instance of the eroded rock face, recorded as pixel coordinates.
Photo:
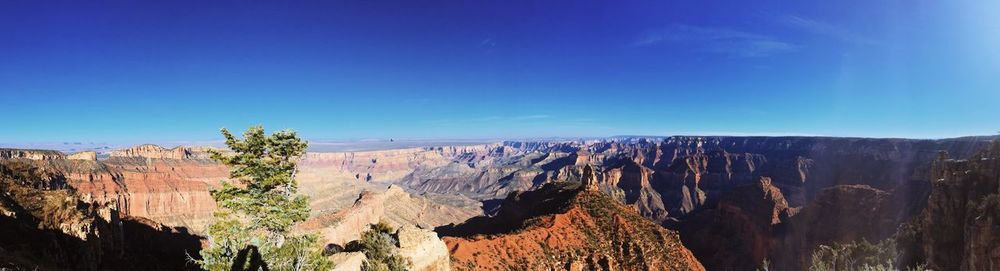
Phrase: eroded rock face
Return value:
(149, 151)
(400, 210)
(742, 231)
(30, 154)
(159, 186)
(424, 249)
(393, 205)
(171, 186)
(960, 227)
(754, 223)
(51, 228)
(84, 155)
(348, 261)
(563, 226)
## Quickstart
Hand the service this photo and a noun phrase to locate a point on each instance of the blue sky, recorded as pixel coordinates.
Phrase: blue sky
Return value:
(135, 71)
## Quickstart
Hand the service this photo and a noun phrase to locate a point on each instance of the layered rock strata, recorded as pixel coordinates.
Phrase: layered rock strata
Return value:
(166, 187)
(50, 228)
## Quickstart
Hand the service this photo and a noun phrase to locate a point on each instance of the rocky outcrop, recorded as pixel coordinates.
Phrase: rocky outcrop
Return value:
(53, 229)
(152, 152)
(960, 227)
(84, 155)
(167, 190)
(394, 206)
(30, 154)
(563, 226)
(424, 249)
(349, 223)
(421, 249)
(348, 261)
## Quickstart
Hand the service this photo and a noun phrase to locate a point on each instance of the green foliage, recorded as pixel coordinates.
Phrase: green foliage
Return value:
(257, 212)
(379, 245)
(858, 256)
(909, 243)
(263, 166)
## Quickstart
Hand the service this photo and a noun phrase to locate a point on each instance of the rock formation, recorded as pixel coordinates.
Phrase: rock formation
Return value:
(348, 261)
(84, 155)
(159, 186)
(399, 209)
(30, 154)
(424, 249)
(742, 231)
(152, 152)
(754, 223)
(394, 206)
(563, 226)
(960, 227)
(48, 228)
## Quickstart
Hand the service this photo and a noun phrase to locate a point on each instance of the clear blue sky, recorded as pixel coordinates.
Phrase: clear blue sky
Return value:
(178, 70)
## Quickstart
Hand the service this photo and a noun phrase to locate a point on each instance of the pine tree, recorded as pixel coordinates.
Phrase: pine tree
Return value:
(257, 209)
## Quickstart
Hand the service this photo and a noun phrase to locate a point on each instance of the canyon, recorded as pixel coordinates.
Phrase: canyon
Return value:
(731, 202)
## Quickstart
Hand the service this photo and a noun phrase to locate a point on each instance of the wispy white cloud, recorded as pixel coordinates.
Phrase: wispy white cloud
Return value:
(716, 40)
(750, 48)
(826, 29)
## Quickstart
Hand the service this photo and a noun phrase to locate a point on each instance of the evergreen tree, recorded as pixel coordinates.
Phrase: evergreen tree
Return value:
(259, 206)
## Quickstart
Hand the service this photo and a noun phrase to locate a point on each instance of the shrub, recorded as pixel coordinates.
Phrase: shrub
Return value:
(858, 256)
(379, 245)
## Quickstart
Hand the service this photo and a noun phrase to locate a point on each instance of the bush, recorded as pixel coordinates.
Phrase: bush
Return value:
(861, 256)
(379, 245)
(855, 256)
